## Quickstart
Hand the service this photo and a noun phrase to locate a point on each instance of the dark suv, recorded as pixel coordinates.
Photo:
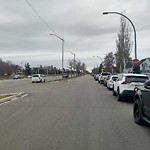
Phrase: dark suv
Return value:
(141, 109)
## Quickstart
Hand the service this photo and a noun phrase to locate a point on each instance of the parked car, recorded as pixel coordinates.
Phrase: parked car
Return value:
(124, 86)
(65, 75)
(106, 79)
(141, 108)
(111, 80)
(102, 76)
(36, 78)
(97, 76)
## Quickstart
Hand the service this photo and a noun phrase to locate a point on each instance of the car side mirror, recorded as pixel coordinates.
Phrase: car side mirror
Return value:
(147, 84)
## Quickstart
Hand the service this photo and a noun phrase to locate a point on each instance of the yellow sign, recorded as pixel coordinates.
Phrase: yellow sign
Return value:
(102, 70)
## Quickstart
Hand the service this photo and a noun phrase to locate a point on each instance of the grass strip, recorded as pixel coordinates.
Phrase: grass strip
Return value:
(6, 95)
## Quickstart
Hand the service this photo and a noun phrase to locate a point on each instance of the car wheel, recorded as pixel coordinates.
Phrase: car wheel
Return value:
(137, 112)
(114, 93)
(118, 95)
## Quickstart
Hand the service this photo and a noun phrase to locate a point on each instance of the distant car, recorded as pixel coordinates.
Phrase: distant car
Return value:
(97, 76)
(102, 76)
(29, 76)
(36, 78)
(65, 75)
(111, 80)
(17, 76)
(106, 79)
(141, 108)
(124, 86)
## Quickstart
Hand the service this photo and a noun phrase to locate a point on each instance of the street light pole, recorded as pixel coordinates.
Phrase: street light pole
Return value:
(74, 58)
(22, 67)
(106, 13)
(100, 59)
(62, 51)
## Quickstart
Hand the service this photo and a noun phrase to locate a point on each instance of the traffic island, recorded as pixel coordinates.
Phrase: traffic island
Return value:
(64, 79)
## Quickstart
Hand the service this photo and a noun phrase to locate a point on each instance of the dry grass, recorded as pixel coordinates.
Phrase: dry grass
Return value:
(6, 95)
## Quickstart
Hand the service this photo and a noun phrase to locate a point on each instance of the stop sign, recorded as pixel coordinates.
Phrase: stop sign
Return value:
(136, 62)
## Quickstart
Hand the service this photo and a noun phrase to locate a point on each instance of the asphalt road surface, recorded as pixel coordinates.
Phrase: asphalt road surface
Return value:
(77, 114)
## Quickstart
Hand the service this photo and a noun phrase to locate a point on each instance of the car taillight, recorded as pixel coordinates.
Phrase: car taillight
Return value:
(111, 81)
(124, 82)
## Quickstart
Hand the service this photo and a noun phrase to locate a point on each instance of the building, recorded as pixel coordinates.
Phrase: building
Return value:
(145, 65)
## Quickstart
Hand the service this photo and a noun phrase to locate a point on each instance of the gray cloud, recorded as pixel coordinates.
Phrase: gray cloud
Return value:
(23, 36)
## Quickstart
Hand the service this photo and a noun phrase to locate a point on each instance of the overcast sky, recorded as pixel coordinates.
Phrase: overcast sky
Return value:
(24, 37)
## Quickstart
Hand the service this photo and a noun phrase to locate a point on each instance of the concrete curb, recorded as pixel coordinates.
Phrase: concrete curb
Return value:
(65, 79)
(13, 97)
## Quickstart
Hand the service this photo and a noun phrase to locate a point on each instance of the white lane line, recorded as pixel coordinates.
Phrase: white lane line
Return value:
(25, 95)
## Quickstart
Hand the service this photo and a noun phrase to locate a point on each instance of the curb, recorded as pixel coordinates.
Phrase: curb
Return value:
(60, 80)
(13, 97)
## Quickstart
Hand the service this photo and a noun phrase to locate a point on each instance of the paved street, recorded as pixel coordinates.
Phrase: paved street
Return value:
(77, 114)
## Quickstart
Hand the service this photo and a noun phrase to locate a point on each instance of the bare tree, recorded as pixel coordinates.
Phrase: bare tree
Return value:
(7, 68)
(123, 44)
(78, 65)
(109, 62)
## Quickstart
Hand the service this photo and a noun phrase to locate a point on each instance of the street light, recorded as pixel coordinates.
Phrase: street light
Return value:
(62, 50)
(101, 61)
(106, 13)
(22, 67)
(74, 58)
(99, 58)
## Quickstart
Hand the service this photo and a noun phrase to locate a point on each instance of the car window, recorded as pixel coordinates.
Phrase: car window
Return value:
(114, 78)
(36, 75)
(105, 73)
(130, 79)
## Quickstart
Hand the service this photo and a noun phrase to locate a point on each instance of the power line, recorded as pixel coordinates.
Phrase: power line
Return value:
(40, 17)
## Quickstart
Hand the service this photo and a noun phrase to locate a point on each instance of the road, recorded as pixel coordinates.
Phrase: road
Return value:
(77, 114)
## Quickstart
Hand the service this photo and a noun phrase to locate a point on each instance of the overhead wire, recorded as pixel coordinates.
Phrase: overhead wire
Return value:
(40, 17)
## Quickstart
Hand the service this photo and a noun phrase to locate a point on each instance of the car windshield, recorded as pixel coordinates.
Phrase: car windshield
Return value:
(141, 79)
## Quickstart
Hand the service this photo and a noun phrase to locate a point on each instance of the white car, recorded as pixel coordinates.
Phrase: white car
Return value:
(111, 80)
(36, 78)
(17, 76)
(124, 86)
(103, 76)
(97, 76)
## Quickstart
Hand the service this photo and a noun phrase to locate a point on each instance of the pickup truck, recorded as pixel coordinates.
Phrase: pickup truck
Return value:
(141, 107)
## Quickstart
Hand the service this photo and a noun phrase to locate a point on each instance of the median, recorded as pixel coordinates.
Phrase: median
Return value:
(10, 96)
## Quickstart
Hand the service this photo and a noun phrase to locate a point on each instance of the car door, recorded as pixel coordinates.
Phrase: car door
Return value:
(117, 83)
(146, 98)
